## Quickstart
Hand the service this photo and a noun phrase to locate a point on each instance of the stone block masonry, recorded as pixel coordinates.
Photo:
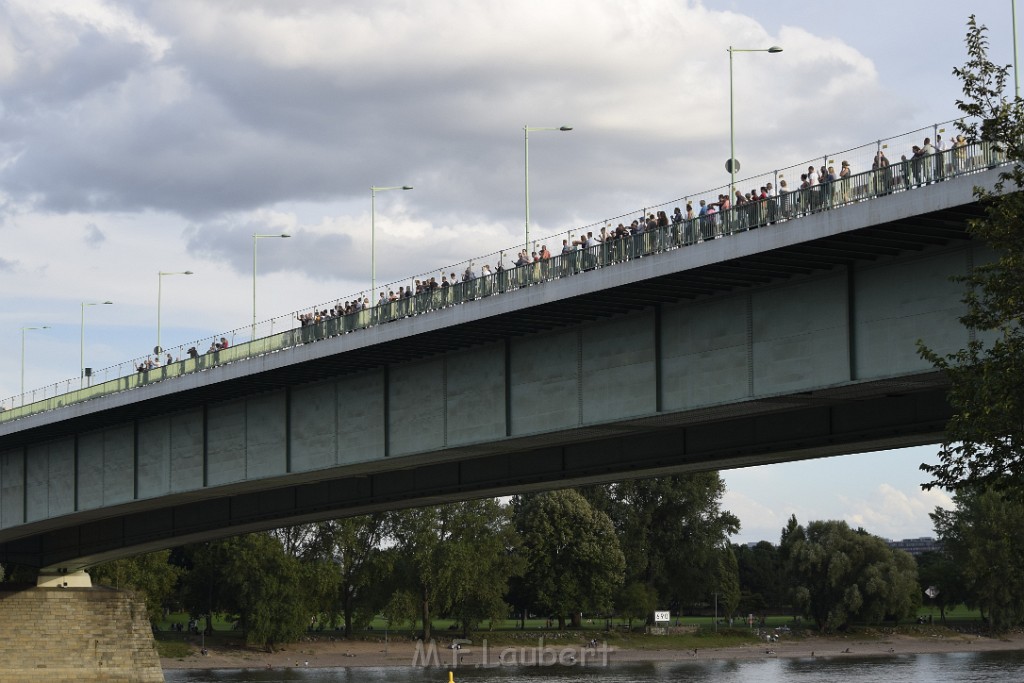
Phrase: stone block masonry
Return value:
(77, 635)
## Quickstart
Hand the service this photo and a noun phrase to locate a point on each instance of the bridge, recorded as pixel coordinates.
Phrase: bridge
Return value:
(780, 330)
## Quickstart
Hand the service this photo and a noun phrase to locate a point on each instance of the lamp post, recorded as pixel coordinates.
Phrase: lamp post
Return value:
(526, 164)
(255, 239)
(23, 331)
(373, 235)
(159, 296)
(1016, 77)
(732, 130)
(81, 340)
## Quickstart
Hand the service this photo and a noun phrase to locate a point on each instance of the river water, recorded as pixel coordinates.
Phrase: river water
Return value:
(987, 667)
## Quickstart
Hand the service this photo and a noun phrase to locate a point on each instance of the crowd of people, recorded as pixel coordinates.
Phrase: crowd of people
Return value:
(820, 189)
(153, 362)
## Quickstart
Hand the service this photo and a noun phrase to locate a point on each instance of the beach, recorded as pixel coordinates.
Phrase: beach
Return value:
(342, 653)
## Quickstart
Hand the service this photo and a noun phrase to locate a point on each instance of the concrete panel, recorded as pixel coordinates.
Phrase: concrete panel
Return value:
(476, 395)
(545, 382)
(12, 488)
(225, 443)
(266, 447)
(90, 471)
(619, 368)
(50, 480)
(704, 353)
(118, 465)
(416, 404)
(898, 303)
(154, 459)
(37, 472)
(61, 489)
(186, 469)
(314, 427)
(800, 336)
(361, 418)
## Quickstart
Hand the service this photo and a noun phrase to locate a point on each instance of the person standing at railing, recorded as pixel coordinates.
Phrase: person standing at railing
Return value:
(566, 259)
(960, 153)
(928, 159)
(785, 199)
(545, 262)
(486, 278)
(677, 227)
(726, 221)
(844, 181)
(880, 178)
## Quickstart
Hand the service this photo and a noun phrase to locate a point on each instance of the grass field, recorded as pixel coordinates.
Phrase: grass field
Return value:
(698, 632)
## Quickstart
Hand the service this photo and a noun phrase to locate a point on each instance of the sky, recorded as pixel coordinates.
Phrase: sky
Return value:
(148, 136)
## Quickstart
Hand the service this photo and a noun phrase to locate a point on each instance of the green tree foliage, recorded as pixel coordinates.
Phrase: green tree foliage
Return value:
(674, 533)
(984, 536)
(351, 564)
(252, 577)
(725, 576)
(573, 560)
(149, 575)
(456, 559)
(984, 441)
(842, 576)
(636, 600)
(761, 577)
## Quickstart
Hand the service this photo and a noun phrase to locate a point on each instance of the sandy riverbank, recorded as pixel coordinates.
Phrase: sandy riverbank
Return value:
(365, 654)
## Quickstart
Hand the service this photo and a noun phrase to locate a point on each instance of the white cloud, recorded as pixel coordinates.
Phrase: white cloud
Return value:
(895, 513)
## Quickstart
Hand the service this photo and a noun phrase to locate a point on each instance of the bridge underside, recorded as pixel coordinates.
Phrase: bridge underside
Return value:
(884, 415)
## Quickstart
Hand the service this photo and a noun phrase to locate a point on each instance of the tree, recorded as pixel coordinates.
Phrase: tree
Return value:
(984, 536)
(252, 577)
(456, 558)
(674, 532)
(573, 559)
(636, 600)
(842, 576)
(761, 577)
(351, 548)
(480, 562)
(984, 440)
(150, 575)
(725, 576)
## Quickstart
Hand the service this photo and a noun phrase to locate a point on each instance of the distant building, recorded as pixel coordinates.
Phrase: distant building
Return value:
(916, 546)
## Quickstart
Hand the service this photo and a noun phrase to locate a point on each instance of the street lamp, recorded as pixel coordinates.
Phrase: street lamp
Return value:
(255, 239)
(23, 330)
(526, 154)
(159, 293)
(81, 340)
(1016, 78)
(373, 239)
(732, 163)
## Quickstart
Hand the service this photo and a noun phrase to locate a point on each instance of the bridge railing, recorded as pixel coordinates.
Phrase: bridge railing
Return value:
(789, 204)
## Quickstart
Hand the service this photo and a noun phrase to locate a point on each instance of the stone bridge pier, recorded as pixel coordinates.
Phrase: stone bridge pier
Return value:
(74, 633)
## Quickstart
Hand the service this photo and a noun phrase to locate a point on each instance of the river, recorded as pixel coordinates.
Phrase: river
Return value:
(974, 667)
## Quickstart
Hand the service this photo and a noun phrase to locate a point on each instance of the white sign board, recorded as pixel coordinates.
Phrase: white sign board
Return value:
(662, 616)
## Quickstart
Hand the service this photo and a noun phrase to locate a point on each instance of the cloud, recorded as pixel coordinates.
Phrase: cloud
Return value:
(207, 109)
(894, 513)
(94, 237)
